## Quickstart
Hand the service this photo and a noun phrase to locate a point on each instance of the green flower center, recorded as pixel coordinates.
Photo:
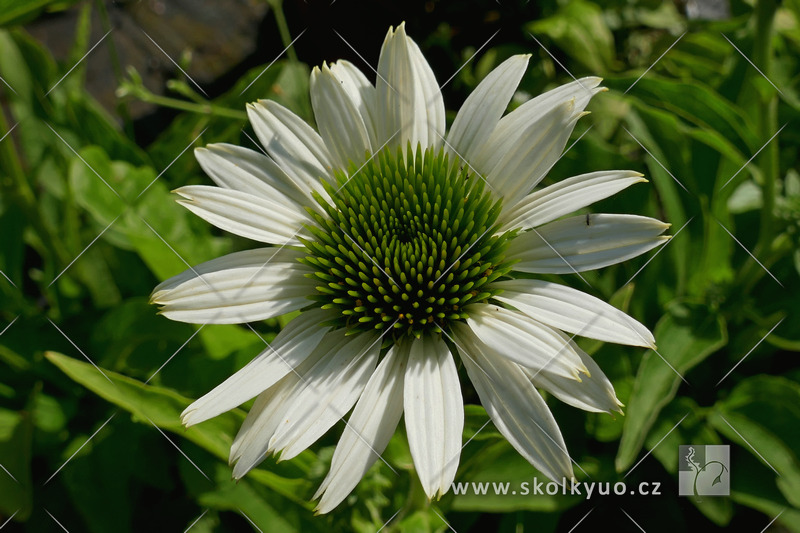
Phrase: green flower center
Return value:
(406, 242)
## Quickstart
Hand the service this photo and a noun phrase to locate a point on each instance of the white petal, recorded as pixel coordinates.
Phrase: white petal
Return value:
(410, 105)
(524, 340)
(528, 141)
(362, 92)
(245, 170)
(338, 118)
(434, 414)
(566, 196)
(293, 144)
(594, 392)
(288, 350)
(251, 445)
(574, 311)
(326, 394)
(368, 430)
(237, 288)
(585, 242)
(514, 405)
(253, 217)
(483, 108)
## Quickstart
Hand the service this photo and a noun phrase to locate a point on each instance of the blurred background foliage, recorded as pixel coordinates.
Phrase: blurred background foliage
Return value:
(91, 147)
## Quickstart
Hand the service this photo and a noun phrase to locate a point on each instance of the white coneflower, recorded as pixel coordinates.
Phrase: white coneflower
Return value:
(401, 245)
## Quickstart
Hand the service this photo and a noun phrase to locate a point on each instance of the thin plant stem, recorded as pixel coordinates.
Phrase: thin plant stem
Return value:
(283, 28)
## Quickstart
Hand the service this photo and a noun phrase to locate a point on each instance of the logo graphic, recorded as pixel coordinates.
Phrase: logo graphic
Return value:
(704, 470)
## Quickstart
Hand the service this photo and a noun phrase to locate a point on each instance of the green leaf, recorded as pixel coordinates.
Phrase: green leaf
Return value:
(762, 414)
(686, 335)
(16, 430)
(757, 490)
(578, 28)
(497, 468)
(696, 104)
(664, 441)
(162, 408)
(15, 12)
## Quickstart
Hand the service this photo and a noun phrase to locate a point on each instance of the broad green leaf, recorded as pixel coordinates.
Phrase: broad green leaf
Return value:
(267, 509)
(162, 408)
(757, 490)
(16, 430)
(579, 29)
(16, 12)
(686, 335)
(762, 414)
(695, 103)
(693, 429)
(498, 479)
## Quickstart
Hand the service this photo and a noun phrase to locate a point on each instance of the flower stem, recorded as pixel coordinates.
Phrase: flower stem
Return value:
(283, 28)
(18, 188)
(145, 95)
(767, 120)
